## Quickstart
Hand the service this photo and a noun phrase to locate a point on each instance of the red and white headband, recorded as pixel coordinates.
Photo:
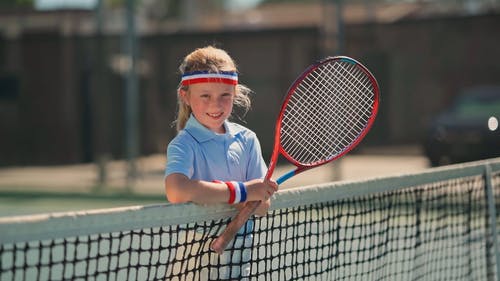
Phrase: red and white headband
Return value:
(226, 77)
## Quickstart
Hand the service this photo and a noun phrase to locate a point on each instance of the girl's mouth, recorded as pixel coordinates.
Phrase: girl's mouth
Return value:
(215, 115)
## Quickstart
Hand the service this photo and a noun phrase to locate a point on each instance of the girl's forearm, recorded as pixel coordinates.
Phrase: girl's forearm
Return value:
(180, 189)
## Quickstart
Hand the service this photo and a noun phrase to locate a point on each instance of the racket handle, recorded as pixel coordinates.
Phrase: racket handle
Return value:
(220, 243)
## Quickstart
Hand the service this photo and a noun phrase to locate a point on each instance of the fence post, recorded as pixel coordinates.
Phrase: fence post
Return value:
(492, 214)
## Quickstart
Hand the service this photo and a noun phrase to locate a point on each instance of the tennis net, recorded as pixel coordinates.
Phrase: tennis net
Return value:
(436, 225)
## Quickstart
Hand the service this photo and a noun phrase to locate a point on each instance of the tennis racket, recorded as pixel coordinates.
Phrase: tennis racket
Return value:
(328, 110)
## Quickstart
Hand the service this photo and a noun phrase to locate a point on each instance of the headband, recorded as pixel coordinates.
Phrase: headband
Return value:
(226, 77)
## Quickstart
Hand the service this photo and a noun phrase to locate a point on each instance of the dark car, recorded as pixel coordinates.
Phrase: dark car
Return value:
(468, 130)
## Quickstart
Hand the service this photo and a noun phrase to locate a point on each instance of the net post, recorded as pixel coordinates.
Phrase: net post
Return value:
(492, 214)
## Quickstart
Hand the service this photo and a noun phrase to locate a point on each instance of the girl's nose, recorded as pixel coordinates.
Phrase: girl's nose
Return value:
(216, 102)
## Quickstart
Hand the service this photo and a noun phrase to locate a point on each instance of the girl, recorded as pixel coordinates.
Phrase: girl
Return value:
(212, 160)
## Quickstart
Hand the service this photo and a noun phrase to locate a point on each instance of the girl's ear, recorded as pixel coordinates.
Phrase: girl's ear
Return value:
(183, 96)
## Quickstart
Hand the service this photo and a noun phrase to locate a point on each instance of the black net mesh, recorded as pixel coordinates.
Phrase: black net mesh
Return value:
(437, 231)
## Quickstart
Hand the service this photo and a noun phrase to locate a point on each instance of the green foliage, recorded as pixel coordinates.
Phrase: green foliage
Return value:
(16, 3)
(114, 3)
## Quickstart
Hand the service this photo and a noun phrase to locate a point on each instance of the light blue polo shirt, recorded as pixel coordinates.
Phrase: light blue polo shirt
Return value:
(199, 153)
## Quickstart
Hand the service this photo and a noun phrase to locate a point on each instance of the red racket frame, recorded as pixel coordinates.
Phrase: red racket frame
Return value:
(220, 243)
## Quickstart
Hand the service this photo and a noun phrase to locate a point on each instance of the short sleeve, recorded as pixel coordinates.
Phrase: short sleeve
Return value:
(180, 158)
(257, 167)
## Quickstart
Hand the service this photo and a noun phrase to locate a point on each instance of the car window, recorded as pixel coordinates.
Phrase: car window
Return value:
(475, 106)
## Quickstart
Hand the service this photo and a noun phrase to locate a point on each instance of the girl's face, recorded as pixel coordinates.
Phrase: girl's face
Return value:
(211, 103)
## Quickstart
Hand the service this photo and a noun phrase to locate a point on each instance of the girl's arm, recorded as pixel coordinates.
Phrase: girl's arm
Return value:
(180, 189)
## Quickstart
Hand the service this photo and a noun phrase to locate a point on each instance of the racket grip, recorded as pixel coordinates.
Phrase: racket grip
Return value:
(220, 243)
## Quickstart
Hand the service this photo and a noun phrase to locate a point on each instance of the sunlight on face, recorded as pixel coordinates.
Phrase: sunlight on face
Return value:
(211, 103)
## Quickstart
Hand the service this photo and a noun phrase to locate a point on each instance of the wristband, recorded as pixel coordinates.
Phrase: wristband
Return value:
(237, 191)
(240, 191)
(232, 192)
(243, 192)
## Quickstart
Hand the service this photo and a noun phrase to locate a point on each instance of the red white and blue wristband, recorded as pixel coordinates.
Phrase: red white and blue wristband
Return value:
(226, 77)
(237, 191)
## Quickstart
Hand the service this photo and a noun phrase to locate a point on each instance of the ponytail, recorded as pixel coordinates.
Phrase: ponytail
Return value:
(183, 113)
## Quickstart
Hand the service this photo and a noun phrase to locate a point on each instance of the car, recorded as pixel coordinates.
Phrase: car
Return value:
(468, 130)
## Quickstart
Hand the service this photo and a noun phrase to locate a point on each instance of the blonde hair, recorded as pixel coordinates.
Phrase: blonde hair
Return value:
(213, 60)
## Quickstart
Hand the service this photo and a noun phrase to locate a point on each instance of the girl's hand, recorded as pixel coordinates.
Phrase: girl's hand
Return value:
(260, 190)
(263, 208)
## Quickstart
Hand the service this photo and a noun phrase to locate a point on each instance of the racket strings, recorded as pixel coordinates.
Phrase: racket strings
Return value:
(328, 111)
(303, 145)
(342, 101)
(316, 143)
(312, 147)
(322, 136)
(355, 103)
(347, 99)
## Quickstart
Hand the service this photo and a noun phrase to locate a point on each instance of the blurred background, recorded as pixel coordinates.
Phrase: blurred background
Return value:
(87, 87)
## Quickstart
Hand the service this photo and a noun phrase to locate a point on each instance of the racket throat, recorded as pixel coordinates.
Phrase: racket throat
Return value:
(286, 176)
